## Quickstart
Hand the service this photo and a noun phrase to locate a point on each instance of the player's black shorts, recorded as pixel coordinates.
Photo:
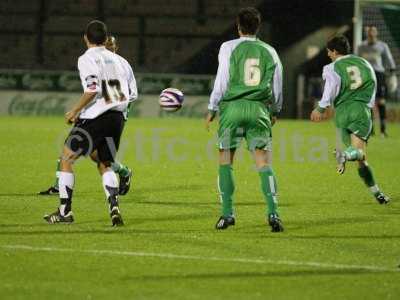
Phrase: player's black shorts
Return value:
(102, 134)
(381, 88)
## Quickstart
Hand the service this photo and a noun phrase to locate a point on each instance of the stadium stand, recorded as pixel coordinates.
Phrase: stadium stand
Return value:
(48, 34)
(62, 51)
(19, 7)
(148, 8)
(61, 24)
(72, 7)
(18, 51)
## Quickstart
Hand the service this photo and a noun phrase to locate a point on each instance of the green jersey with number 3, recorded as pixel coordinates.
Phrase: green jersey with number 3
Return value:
(354, 80)
(350, 85)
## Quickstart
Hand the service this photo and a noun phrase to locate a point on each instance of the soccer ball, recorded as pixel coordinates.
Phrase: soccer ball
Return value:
(171, 99)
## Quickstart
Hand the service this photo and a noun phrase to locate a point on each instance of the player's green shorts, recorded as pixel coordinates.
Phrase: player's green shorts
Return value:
(353, 118)
(244, 119)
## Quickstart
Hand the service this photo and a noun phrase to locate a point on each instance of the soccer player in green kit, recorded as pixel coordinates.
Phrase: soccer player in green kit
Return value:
(350, 86)
(248, 96)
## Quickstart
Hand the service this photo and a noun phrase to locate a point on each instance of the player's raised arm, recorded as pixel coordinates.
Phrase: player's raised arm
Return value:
(331, 90)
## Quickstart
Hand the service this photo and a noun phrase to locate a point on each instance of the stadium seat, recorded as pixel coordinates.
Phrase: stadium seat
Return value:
(227, 8)
(69, 24)
(173, 53)
(73, 7)
(19, 51)
(19, 6)
(155, 7)
(186, 26)
(174, 24)
(123, 25)
(128, 48)
(15, 22)
(62, 51)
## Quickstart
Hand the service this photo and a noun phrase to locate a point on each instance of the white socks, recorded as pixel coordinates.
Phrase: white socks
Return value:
(374, 189)
(66, 186)
(110, 183)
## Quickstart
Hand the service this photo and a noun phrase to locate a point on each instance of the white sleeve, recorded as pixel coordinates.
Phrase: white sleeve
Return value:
(222, 78)
(371, 103)
(388, 57)
(331, 87)
(89, 75)
(358, 51)
(133, 92)
(277, 87)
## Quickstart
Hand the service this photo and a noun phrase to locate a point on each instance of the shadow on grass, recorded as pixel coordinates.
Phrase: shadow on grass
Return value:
(17, 194)
(175, 203)
(333, 221)
(50, 230)
(249, 275)
(109, 231)
(196, 203)
(76, 228)
(309, 223)
(321, 236)
(170, 188)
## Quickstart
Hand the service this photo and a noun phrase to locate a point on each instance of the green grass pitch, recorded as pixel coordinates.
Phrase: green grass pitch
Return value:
(338, 244)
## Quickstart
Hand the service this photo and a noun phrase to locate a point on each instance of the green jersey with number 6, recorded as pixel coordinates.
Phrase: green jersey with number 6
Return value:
(249, 77)
(251, 70)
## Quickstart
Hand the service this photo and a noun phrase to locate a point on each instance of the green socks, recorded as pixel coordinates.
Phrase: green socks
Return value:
(353, 154)
(366, 175)
(365, 172)
(268, 187)
(57, 173)
(226, 188)
(120, 169)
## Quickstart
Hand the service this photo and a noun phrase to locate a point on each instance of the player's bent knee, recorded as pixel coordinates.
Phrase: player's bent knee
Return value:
(263, 167)
(68, 156)
(94, 157)
(362, 163)
(103, 166)
(226, 156)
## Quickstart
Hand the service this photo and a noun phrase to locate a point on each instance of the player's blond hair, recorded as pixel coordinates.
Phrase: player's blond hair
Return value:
(111, 44)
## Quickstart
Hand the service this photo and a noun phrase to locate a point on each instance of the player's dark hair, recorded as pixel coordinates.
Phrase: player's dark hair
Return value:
(96, 32)
(339, 43)
(249, 20)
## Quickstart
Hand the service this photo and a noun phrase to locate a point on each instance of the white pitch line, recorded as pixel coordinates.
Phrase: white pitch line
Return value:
(313, 264)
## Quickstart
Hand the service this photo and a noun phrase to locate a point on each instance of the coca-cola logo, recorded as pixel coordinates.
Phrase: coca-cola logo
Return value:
(46, 105)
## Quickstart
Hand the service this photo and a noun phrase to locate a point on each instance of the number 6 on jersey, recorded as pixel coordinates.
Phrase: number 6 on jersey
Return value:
(252, 73)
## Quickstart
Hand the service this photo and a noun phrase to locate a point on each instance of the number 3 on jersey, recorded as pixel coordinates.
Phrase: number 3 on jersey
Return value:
(252, 73)
(355, 77)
